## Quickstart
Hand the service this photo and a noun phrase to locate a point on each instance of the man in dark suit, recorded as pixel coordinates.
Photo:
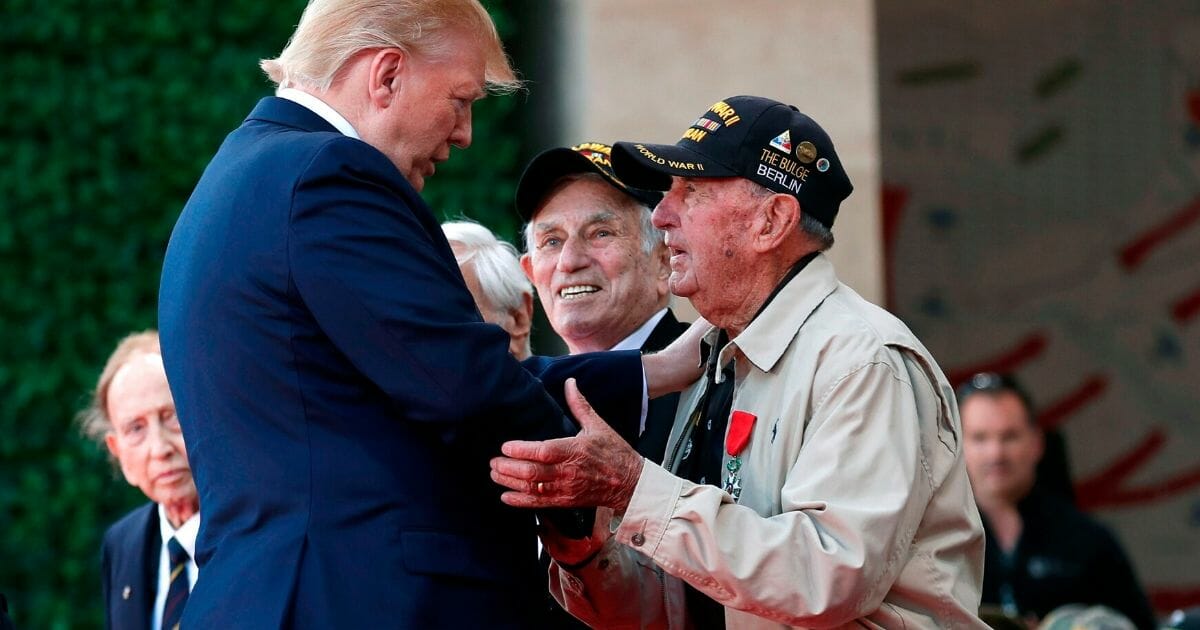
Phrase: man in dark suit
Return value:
(599, 265)
(600, 268)
(147, 565)
(129, 569)
(340, 395)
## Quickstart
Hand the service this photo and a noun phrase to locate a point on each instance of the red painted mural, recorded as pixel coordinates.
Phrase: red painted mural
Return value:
(1041, 214)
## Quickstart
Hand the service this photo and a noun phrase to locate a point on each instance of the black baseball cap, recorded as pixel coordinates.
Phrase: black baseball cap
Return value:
(762, 140)
(553, 164)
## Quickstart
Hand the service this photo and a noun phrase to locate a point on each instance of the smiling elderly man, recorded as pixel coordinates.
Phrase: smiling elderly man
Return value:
(598, 263)
(815, 477)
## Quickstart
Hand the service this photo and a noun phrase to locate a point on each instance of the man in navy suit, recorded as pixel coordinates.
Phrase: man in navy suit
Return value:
(339, 392)
(147, 564)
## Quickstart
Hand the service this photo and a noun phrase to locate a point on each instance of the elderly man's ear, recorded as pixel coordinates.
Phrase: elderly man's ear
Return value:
(777, 221)
(523, 317)
(387, 68)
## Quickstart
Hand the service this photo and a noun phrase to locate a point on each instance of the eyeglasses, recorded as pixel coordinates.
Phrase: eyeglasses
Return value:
(986, 382)
(992, 382)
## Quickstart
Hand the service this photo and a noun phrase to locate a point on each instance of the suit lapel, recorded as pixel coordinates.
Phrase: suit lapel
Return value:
(667, 329)
(134, 572)
(150, 554)
(144, 568)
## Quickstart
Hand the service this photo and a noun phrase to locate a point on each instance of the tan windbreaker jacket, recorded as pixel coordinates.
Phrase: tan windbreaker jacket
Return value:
(855, 509)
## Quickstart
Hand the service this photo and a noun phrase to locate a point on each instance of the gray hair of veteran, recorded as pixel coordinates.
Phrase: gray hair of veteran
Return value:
(651, 236)
(494, 261)
(331, 32)
(93, 420)
(808, 225)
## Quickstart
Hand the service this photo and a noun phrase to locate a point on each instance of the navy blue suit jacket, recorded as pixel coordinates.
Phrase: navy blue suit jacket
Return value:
(129, 559)
(340, 396)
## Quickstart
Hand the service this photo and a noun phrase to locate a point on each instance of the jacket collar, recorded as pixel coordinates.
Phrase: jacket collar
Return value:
(284, 112)
(668, 328)
(768, 336)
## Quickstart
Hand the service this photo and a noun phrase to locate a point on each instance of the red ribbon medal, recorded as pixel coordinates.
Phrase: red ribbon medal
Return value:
(741, 423)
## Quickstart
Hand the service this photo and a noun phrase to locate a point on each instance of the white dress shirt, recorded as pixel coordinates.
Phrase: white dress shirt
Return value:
(186, 535)
(634, 342)
(320, 108)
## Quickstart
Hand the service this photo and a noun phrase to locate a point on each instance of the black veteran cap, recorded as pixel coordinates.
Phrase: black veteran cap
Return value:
(762, 140)
(553, 164)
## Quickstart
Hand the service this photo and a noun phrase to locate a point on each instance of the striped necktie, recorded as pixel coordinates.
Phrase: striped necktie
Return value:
(177, 592)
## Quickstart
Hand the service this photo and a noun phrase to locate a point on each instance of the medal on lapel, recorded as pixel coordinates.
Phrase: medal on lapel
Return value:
(741, 424)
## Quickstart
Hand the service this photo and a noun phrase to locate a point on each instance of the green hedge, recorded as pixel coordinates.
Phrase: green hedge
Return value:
(109, 111)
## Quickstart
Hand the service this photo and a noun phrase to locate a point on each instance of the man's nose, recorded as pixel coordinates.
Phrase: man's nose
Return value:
(574, 255)
(160, 444)
(664, 215)
(461, 137)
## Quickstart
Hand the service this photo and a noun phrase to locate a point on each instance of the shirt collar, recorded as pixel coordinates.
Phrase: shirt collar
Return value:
(639, 336)
(320, 108)
(764, 341)
(186, 534)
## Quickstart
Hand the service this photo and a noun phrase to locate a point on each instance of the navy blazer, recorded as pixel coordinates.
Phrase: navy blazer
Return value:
(341, 397)
(129, 558)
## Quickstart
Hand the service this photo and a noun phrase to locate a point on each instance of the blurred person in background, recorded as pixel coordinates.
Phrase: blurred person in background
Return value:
(1042, 552)
(1184, 619)
(599, 264)
(494, 277)
(147, 557)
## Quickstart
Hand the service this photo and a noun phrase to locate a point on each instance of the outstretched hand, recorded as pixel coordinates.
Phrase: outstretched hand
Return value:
(595, 468)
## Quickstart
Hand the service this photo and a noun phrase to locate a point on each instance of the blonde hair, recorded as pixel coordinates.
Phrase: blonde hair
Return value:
(94, 422)
(330, 32)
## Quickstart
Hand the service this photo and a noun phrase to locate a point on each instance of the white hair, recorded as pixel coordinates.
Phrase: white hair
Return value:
(808, 225)
(494, 261)
(651, 236)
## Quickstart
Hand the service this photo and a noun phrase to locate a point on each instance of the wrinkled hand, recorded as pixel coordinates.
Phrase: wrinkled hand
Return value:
(573, 551)
(594, 468)
(678, 365)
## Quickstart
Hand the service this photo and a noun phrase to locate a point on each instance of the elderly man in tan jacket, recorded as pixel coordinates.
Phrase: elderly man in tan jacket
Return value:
(815, 477)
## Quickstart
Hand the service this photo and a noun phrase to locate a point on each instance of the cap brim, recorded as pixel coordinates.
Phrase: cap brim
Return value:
(651, 166)
(543, 171)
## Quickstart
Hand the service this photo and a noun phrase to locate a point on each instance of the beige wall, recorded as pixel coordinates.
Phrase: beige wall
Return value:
(644, 70)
